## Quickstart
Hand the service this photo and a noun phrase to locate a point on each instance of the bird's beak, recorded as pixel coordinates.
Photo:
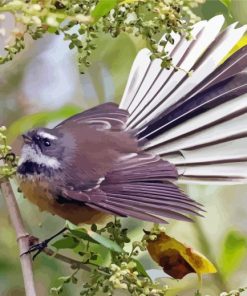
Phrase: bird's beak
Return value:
(26, 138)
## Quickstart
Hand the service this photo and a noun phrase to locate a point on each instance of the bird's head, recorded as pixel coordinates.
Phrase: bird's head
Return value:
(41, 153)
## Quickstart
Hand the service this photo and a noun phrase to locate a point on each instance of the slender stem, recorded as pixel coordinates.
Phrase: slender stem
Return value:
(72, 262)
(22, 237)
(220, 281)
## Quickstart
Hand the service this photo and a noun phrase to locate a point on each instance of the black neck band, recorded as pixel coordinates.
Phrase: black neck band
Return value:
(31, 168)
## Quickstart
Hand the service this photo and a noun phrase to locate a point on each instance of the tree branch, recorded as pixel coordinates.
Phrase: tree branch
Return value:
(21, 235)
(74, 263)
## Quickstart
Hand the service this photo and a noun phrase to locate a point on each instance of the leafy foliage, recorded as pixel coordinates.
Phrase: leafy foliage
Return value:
(80, 22)
(122, 271)
(227, 3)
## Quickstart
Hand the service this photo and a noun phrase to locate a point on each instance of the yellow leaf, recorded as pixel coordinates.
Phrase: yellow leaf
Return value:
(241, 43)
(178, 259)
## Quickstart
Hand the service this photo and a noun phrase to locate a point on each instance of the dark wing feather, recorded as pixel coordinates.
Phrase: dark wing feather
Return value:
(141, 190)
(105, 116)
(127, 211)
(142, 167)
(144, 190)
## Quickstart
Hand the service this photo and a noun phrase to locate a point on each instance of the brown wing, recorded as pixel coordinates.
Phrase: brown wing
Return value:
(105, 116)
(95, 141)
(110, 173)
(141, 187)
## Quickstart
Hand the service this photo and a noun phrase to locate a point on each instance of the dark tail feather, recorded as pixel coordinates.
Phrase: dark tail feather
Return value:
(236, 63)
(214, 96)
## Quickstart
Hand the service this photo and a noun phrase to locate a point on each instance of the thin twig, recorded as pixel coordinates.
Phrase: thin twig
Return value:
(22, 237)
(74, 263)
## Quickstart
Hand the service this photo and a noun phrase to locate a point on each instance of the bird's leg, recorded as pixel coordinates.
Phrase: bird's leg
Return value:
(39, 247)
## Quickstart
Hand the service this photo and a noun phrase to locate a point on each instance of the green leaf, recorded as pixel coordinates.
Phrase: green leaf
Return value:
(227, 3)
(70, 225)
(104, 241)
(103, 7)
(52, 30)
(233, 252)
(82, 233)
(65, 243)
(86, 257)
(140, 268)
(74, 280)
(39, 119)
(56, 290)
(94, 237)
(65, 279)
(104, 254)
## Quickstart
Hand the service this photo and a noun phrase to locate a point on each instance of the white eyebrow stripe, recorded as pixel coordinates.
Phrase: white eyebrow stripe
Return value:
(43, 134)
(30, 154)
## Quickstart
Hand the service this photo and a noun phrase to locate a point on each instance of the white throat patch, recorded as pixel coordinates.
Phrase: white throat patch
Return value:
(30, 154)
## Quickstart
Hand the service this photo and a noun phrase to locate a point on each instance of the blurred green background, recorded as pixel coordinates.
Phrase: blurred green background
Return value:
(42, 86)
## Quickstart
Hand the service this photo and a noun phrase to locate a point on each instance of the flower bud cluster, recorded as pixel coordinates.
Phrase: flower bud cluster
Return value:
(7, 162)
(153, 233)
(146, 19)
(237, 292)
(126, 276)
(123, 272)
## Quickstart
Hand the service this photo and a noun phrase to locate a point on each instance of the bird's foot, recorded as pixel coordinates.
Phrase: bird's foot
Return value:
(39, 247)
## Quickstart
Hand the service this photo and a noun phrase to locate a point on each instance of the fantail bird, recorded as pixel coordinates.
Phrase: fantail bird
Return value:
(170, 124)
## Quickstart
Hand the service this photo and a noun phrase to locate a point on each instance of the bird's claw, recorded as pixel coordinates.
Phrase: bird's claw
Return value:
(39, 247)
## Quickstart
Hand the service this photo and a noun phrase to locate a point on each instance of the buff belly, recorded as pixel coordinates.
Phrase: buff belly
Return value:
(38, 193)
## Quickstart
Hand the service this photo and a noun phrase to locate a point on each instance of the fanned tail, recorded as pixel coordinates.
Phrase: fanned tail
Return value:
(195, 121)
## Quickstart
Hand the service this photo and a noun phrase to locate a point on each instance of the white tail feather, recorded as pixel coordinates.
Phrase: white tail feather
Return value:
(210, 146)
(234, 150)
(137, 72)
(179, 48)
(236, 173)
(189, 57)
(210, 63)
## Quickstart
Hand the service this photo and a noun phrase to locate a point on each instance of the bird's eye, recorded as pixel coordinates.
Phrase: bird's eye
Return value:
(47, 142)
